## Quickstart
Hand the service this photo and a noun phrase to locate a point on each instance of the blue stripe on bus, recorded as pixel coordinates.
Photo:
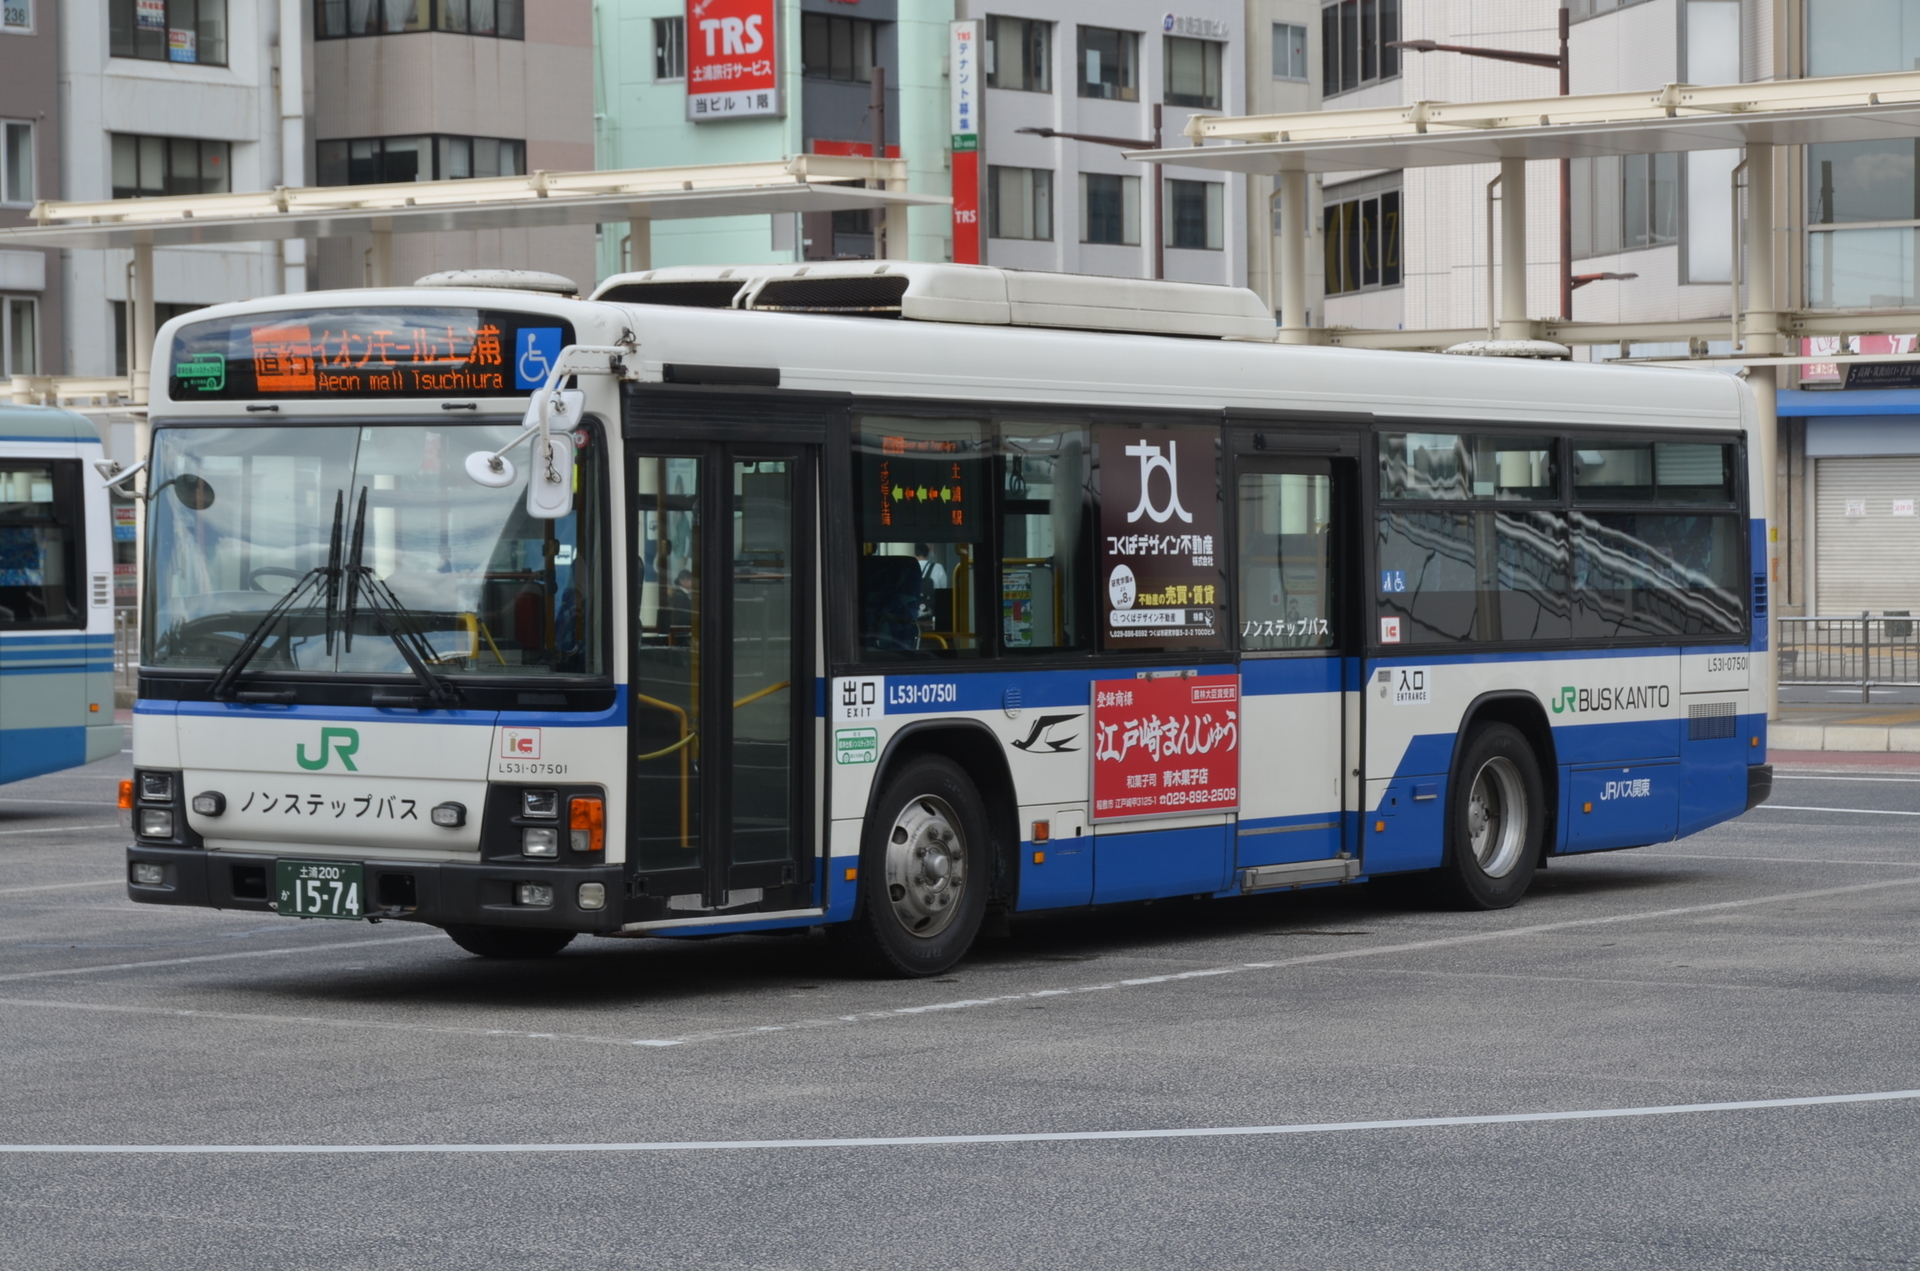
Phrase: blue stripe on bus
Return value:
(34, 752)
(59, 668)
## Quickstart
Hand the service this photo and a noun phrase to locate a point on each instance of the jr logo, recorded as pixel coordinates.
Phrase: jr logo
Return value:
(1565, 701)
(343, 740)
(1150, 459)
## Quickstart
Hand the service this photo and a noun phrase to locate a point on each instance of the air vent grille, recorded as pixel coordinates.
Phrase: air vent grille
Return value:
(685, 293)
(866, 297)
(102, 590)
(1711, 721)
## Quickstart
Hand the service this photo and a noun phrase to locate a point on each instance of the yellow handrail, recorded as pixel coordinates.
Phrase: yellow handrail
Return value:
(688, 735)
(768, 691)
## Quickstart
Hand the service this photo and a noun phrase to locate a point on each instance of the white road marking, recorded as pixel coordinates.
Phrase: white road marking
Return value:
(1822, 776)
(216, 957)
(755, 1030)
(1788, 807)
(60, 829)
(1779, 860)
(942, 1140)
(98, 882)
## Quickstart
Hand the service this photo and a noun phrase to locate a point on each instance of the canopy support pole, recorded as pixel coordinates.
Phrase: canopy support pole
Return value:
(1761, 334)
(1293, 259)
(380, 259)
(639, 242)
(1513, 251)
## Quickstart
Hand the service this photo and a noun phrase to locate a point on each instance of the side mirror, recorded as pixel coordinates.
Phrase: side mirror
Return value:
(550, 474)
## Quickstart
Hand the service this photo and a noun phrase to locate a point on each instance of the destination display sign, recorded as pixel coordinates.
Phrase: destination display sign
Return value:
(1160, 539)
(425, 352)
(1166, 746)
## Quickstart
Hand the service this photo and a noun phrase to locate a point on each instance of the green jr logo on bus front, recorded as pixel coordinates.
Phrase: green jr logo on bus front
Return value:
(341, 741)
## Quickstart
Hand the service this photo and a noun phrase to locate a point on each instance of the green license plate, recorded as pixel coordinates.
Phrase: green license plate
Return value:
(319, 889)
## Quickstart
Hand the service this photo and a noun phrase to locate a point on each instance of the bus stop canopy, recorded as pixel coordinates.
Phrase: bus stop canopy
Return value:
(807, 183)
(1678, 117)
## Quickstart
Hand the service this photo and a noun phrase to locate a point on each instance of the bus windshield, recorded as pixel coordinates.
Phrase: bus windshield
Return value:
(238, 517)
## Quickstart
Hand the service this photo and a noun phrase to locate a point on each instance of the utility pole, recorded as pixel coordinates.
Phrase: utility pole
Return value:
(877, 111)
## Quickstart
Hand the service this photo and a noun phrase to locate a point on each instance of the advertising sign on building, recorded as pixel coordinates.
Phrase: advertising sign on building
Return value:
(964, 53)
(1166, 746)
(732, 60)
(1160, 537)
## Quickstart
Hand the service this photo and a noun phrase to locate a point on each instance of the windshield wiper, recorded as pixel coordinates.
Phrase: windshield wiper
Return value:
(395, 620)
(321, 578)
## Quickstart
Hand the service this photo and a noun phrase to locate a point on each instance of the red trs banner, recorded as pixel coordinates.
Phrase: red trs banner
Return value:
(1166, 746)
(731, 62)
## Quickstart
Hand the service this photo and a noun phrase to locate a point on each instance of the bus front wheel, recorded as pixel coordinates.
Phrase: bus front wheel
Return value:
(1495, 817)
(924, 870)
(510, 942)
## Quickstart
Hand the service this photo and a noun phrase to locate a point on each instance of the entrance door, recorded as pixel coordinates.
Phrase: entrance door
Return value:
(720, 692)
(1293, 793)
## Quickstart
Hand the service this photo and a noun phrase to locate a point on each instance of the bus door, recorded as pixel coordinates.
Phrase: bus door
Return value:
(721, 692)
(1297, 668)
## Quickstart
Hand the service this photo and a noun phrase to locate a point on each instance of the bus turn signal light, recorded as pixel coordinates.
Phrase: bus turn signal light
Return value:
(126, 794)
(587, 821)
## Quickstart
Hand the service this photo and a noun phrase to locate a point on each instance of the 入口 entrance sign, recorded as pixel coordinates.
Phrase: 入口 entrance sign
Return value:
(1160, 537)
(732, 60)
(1166, 746)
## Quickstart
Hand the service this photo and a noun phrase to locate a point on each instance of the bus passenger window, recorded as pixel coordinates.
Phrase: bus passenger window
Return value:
(920, 487)
(1286, 561)
(1046, 536)
(1449, 466)
(38, 546)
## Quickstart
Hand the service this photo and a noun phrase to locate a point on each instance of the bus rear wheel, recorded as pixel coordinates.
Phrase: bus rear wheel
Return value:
(1496, 815)
(924, 862)
(510, 942)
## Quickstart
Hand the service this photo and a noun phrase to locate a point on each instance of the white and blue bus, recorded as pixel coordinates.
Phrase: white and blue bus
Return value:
(890, 598)
(56, 596)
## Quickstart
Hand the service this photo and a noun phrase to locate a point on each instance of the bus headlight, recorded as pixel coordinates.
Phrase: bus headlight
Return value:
(156, 787)
(535, 895)
(147, 874)
(156, 823)
(542, 840)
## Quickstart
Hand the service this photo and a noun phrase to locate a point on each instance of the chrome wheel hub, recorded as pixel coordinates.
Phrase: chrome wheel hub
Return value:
(926, 866)
(1497, 817)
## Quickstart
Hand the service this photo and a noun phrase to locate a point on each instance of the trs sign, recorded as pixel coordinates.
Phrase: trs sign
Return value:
(732, 60)
(963, 61)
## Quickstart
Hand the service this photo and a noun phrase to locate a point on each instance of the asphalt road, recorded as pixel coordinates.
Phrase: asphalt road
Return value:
(1772, 958)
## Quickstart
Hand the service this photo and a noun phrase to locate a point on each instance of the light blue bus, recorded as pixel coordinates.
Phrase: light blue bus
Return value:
(56, 596)
(889, 598)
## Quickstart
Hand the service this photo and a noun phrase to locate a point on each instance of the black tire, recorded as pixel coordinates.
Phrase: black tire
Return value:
(510, 942)
(1496, 815)
(912, 921)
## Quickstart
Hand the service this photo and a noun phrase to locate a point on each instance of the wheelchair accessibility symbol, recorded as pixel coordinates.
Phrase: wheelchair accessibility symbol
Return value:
(535, 349)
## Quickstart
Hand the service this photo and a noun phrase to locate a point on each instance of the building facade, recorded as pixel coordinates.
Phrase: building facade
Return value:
(821, 56)
(30, 281)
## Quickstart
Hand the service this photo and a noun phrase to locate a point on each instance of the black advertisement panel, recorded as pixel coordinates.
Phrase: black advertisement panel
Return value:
(1161, 550)
(365, 353)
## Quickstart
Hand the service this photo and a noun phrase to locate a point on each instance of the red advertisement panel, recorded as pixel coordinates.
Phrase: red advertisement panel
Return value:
(1168, 746)
(732, 70)
(966, 205)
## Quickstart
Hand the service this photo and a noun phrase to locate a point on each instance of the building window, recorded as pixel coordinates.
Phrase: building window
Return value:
(1362, 237)
(163, 313)
(16, 16)
(1019, 202)
(1583, 9)
(342, 19)
(1289, 51)
(145, 167)
(16, 162)
(669, 48)
(1650, 200)
(1193, 72)
(1109, 209)
(1196, 215)
(384, 160)
(1109, 62)
(20, 338)
(1354, 35)
(1020, 54)
(167, 30)
(837, 48)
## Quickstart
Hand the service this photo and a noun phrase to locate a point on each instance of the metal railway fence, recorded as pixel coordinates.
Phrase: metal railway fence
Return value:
(1864, 652)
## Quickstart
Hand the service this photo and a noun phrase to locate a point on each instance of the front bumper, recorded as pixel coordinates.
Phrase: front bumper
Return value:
(405, 891)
